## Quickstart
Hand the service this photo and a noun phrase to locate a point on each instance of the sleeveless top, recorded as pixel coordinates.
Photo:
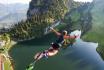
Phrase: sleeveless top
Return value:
(58, 43)
(60, 40)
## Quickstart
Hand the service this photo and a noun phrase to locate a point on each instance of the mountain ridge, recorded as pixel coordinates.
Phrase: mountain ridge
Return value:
(11, 12)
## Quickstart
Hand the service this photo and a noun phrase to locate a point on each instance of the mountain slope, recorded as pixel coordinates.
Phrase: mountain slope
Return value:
(96, 34)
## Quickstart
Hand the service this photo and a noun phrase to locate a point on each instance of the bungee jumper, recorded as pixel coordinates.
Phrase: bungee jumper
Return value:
(55, 46)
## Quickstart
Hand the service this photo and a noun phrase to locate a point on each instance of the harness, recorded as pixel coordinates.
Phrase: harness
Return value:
(60, 41)
(64, 42)
(56, 45)
(45, 54)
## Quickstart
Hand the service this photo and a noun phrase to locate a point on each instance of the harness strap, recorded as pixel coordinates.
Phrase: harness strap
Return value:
(46, 54)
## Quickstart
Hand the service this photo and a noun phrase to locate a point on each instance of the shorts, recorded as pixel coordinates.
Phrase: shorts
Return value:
(55, 46)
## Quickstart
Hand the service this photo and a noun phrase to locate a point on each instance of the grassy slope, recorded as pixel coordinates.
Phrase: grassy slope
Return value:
(7, 65)
(96, 34)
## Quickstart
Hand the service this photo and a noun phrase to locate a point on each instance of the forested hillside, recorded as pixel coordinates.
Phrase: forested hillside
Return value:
(43, 13)
(96, 34)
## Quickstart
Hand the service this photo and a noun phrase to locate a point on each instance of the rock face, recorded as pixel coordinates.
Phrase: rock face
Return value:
(47, 10)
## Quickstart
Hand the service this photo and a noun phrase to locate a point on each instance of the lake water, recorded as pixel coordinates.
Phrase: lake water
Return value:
(81, 56)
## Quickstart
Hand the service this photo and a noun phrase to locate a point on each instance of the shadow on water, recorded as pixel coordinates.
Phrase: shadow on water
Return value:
(80, 56)
(46, 39)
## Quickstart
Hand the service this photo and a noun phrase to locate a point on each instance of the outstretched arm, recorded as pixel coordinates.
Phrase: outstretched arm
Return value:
(56, 32)
(70, 37)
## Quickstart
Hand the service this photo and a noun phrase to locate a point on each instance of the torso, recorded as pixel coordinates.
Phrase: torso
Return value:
(60, 39)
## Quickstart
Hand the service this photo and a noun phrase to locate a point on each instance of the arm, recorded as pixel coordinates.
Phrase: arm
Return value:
(70, 37)
(56, 32)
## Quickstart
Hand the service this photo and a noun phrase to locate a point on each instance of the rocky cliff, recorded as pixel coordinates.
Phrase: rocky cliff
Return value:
(42, 13)
(47, 10)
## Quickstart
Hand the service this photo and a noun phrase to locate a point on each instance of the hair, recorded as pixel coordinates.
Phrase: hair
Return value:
(64, 32)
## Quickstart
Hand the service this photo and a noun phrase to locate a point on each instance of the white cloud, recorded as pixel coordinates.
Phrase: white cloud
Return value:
(83, 0)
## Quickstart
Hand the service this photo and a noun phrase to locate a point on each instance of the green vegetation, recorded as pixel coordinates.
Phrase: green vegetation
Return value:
(79, 18)
(7, 65)
(34, 26)
(7, 41)
(47, 13)
(76, 4)
(96, 34)
(47, 10)
(75, 16)
(5, 38)
(27, 30)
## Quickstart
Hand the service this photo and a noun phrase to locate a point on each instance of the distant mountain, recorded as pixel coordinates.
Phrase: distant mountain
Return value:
(12, 13)
(12, 18)
(3, 10)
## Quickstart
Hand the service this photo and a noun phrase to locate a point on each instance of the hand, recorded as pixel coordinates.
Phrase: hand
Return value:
(51, 28)
(76, 36)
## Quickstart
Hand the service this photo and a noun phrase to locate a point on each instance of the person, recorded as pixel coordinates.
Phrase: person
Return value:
(64, 38)
(50, 52)
(55, 46)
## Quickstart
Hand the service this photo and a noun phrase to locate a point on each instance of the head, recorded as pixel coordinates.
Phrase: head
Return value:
(64, 32)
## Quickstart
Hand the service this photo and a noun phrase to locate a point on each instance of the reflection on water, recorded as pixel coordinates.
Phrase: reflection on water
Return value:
(86, 53)
(81, 56)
